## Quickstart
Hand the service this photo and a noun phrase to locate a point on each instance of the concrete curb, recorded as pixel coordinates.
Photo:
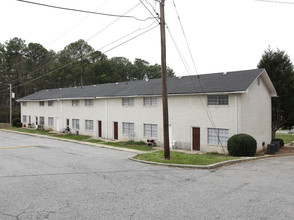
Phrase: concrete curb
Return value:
(79, 142)
(212, 166)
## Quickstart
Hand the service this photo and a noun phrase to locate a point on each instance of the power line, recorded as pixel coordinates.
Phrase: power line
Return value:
(84, 11)
(99, 32)
(207, 110)
(53, 71)
(71, 28)
(157, 18)
(279, 2)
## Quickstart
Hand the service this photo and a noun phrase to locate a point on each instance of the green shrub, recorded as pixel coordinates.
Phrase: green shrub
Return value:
(280, 140)
(16, 122)
(242, 145)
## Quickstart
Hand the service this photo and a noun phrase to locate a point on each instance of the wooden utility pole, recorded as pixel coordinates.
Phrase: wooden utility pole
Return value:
(10, 103)
(163, 83)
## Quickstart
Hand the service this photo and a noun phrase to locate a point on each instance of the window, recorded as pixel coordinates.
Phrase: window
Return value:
(128, 128)
(75, 102)
(89, 125)
(218, 136)
(24, 103)
(150, 101)
(217, 99)
(128, 101)
(24, 118)
(41, 103)
(150, 130)
(42, 120)
(76, 124)
(89, 102)
(50, 103)
(50, 121)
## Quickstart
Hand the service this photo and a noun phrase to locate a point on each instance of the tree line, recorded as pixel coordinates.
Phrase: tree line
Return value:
(31, 67)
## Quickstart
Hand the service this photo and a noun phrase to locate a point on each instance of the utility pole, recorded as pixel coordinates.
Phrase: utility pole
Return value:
(10, 102)
(163, 83)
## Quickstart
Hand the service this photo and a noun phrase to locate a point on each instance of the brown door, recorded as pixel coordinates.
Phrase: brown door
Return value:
(196, 138)
(115, 133)
(99, 128)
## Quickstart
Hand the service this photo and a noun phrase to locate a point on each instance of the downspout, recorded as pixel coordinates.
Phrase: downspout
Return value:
(236, 115)
(106, 117)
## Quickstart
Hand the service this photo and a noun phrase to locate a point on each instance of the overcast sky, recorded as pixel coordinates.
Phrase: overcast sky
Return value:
(224, 35)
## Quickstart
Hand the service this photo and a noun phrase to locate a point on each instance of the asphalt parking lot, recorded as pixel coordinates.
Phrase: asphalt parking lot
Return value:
(42, 178)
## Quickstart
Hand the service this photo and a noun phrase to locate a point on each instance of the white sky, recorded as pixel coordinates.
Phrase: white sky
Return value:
(223, 35)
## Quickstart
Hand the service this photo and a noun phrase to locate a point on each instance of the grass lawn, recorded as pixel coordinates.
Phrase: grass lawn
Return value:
(27, 130)
(94, 141)
(286, 137)
(181, 158)
(130, 145)
(71, 136)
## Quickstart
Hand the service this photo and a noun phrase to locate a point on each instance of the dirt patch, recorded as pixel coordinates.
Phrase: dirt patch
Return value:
(285, 150)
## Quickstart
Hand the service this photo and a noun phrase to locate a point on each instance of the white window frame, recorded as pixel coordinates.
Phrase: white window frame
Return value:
(51, 103)
(129, 101)
(89, 102)
(217, 99)
(128, 128)
(51, 121)
(76, 123)
(150, 130)
(41, 103)
(24, 119)
(217, 136)
(42, 120)
(150, 101)
(75, 102)
(89, 125)
(24, 104)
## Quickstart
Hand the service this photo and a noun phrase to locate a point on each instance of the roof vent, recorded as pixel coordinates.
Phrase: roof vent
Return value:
(116, 83)
(225, 73)
(94, 85)
(180, 77)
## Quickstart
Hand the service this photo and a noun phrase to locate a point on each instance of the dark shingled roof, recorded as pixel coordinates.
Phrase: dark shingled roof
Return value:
(237, 81)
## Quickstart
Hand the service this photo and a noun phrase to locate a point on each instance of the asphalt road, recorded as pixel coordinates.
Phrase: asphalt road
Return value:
(48, 179)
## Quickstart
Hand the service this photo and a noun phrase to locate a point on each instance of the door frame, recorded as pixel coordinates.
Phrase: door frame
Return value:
(192, 137)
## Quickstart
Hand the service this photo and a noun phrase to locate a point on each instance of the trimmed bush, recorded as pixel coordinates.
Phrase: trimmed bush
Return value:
(280, 140)
(242, 145)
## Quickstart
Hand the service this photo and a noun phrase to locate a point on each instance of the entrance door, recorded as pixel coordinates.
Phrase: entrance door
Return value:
(196, 139)
(57, 124)
(115, 130)
(99, 128)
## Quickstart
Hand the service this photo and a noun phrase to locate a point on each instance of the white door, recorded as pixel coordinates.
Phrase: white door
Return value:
(57, 124)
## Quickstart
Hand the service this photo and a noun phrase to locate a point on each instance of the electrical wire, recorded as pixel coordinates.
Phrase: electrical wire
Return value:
(77, 59)
(157, 18)
(84, 11)
(279, 2)
(207, 110)
(71, 28)
(99, 32)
